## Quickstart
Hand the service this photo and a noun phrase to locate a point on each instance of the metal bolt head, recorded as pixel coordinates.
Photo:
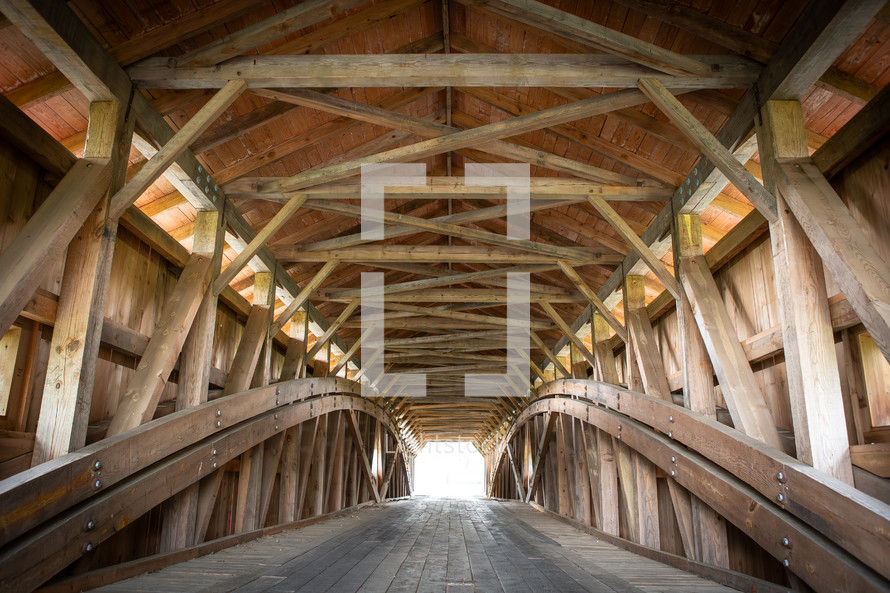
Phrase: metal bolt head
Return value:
(786, 563)
(97, 484)
(219, 412)
(90, 525)
(214, 465)
(673, 473)
(213, 452)
(670, 418)
(780, 476)
(619, 427)
(618, 437)
(276, 427)
(276, 416)
(673, 459)
(88, 547)
(670, 434)
(786, 542)
(97, 465)
(218, 423)
(780, 497)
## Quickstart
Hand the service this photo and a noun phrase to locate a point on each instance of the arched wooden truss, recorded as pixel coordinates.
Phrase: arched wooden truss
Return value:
(826, 532)
(91, 494)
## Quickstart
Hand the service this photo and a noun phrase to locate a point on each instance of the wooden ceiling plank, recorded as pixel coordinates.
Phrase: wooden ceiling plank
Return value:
(174, 32)
(278, 25)
(553, 20)
(253, 119)
(407, 70)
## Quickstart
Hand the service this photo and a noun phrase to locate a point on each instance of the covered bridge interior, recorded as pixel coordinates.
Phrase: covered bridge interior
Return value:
(636, 252)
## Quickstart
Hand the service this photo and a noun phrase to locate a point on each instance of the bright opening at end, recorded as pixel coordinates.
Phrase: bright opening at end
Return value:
(449, 469)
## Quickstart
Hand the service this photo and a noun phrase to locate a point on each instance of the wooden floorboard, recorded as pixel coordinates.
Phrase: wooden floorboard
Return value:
(424, 545)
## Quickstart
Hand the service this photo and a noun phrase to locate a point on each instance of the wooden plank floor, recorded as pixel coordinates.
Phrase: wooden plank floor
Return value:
(424, 545)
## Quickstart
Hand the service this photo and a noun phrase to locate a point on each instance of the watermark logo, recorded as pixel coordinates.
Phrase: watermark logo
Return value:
(375, 380)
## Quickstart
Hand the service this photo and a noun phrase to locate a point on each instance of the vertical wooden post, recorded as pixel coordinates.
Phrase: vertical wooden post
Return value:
(647, 501)
(290, 468)
(583, 511)
(608, 372)
(647, 355)
(71, 369)
(272, 452)
(247, 506)
(253, 337)
(709, 544)
(741, 391)
(307, 453)
(633, 379)
(565, 457)
(817, 405)
(608, 481)
(318, 474)
(250, 478)
(179, 527)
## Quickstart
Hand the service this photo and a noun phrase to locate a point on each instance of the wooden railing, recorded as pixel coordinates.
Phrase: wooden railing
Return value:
(841, 536)
(53, 513)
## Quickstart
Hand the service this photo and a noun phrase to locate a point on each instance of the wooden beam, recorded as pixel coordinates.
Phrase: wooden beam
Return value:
(454, 230)
(47, 234)
(853, 262)
(290, 468)
(814, 387)
(323, 340)
(543, 447)
(594, 299)
(269, 29)
(564, 24)
(165, 157)
(638, 245)
(365, 464)
(535, 70)
(421, 127)
(865, 128)
(645, 345)
(27, 136)
(464, 139)
(281, 218)
(273, 449)
(431, 254)
(744, 399)
(138, 402)
(253, 337)
(711, 147)
(71, 369)
(439, 188)
(564, 327)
